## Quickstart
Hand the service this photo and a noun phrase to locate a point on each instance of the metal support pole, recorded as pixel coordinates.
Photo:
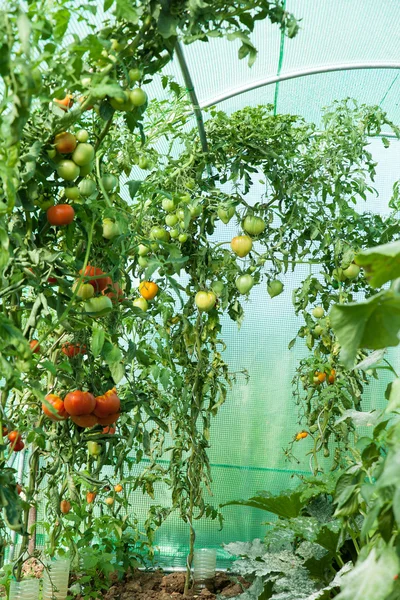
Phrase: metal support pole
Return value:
(192, 95)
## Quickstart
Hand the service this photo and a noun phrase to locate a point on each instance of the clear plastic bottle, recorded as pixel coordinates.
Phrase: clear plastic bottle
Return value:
(55, 579)
(26, 589)
(204, 564)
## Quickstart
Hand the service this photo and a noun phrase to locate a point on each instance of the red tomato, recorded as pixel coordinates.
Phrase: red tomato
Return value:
(19, 489)
(100, 283)
(109, 420)
(58, 405)
(72, 350)
(109, 429)
(79, 403)
(34, 344)
(85, 420)
(60, 214)
(19, 446)
(107, 404)
(115, 294)
(14, 436)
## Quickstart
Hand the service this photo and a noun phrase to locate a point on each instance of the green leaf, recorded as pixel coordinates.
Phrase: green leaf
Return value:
(97, 342)
(126, 11)
(371, 579)
(394, 398)
(391, 470)
(133, 187)
(373, 324)
(381, 264)
(167, 25)
(287, 505)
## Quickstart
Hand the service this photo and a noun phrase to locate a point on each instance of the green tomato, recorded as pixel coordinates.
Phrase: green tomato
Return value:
(134, 75)
(87, 187)
(94, 448)
(143, 250)
(225, 213)
(185, 198)
(318, 312)
(121, 102)
(116, 45)
(110, 229)
(86, 169)
(244, 283)
(195, 210)
(82, 135)
(318, 330)
(158, 233)
(174, 233)
(171, 220)
(205, 301)
(72, 193)
(217, 287)
(101, 305)
(183, 237)
(143, 262)
(109, 182)
(68, 170)
(138, 97)
(52, 153)
(83, 290)
(44, 201)
(275, 288)
(253, 225)
(143, 162)
(180, 213)
(338, 274)
(141, 303)
(168, 205)
(352, 271)
(83, 154)
(190, 184)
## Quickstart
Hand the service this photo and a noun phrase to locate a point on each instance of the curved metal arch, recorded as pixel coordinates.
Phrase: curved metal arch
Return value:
(296, 74)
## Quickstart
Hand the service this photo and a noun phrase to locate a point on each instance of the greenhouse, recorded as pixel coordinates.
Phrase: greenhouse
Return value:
(200, 299)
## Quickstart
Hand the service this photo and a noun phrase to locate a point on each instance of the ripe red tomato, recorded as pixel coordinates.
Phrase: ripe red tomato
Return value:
(84, 420)
(14, 436)
(19, 489)
(107, 404)
(58, 405)
(72, 350)
(34, 344)
(65, 143)
(65, 507)
(109, 429)
(100, 283)
(115, 294)
(109, 420)
(79, 403)
(60, 214)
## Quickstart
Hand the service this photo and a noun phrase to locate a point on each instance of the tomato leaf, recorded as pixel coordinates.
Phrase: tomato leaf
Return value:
(394, 398)
(372, 324)
(97, 342)
(381, 264)
(133, 186)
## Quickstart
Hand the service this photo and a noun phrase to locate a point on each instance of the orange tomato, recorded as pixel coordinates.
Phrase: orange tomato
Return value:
(34, 344)
(79, 403)
(107, 404)
(14, 436)
(301, 435)
(320, 375)
(65, 103)
(65, 507)
(58, 405)
(148, 289)
(109, 420)
(118, 488)
(19, 489)
(90, 496)
(85, 421)
(332, 376)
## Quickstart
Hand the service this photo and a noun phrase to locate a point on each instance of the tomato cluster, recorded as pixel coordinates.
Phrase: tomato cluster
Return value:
(84, 409)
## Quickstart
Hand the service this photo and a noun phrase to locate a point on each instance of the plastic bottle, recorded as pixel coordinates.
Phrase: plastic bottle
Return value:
(204, 563)
(55, 579)
(26, 589)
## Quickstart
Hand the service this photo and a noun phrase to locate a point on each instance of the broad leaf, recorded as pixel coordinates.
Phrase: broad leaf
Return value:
(371, 579)
(373, 324)
(381, 264)
(372, 360)
(288, 504)
(394, 398)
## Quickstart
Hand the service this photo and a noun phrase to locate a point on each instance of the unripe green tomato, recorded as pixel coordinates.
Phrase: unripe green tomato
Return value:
(68, 170)
(158, 233)
(190, 184)
(138, 97)
(183, 237)
(141, 303)
(109, 182)
(72, 193)
(275, 288)
(180, 213)
(110, 229)
(168, 205)
(134, 75)
(352, 271)
(143, 162)
(338, 274)
(171, 220)
(52, 153)
(87, 187)
(143, 262)
(94, 448)
(83, 154)
(116, 45)
(195, 210)
(122, 102)
(143, 250)
(86, 169)
(174, 233)
(244, 283)
(83, 290)
(318, 330)
(100, 304)
(318, 312)
(252, 268)
(217, 287)
(185, 198)
(82, 135)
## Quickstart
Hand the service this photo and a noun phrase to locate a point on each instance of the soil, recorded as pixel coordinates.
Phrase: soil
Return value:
(158, 586)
